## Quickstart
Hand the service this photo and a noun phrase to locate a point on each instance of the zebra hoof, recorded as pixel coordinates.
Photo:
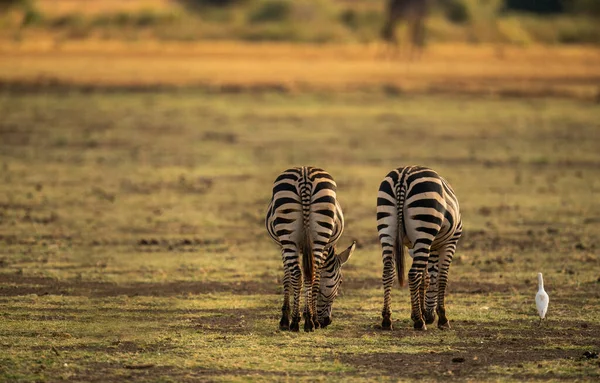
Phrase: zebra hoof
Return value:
(420, 326)
(308, 323)
(295, 326)
(308, 326)
(284, 324)
(444, 325)
(386, 324)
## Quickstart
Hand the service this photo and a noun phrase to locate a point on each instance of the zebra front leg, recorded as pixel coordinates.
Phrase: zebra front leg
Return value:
(284, 323)
(447, 255)
(415, 279)
(432, 290)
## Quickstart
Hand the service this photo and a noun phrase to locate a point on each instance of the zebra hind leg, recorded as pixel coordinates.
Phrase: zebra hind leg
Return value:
(422, 290)
(284, 323)
(386, 323)
(309, 325)
(297, 285)
(431, 291)
(295, 325)
(415, 279)
(315, 297)
(389, 273)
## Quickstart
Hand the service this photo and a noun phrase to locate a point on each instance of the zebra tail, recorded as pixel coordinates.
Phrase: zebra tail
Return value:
(308, 261)
(399, 252)
(399, 242)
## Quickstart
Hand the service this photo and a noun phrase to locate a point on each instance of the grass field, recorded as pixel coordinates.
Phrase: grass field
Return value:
(133, 246)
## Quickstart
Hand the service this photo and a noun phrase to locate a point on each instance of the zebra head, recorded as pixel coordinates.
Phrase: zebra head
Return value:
(330, 282)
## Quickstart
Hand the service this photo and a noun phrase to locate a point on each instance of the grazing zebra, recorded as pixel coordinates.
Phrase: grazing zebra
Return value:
(306, 220)
(417, 208)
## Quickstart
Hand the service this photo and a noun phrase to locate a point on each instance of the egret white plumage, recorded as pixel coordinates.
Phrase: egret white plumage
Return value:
(541, 298)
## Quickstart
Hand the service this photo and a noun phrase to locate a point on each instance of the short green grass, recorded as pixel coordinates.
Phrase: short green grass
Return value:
(133, 244)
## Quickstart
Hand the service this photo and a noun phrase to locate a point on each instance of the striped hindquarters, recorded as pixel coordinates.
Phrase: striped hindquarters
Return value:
(416, 208)
(304, 213)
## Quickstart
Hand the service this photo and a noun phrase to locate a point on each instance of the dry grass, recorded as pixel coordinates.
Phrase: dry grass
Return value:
(487, 69)
(90, 7)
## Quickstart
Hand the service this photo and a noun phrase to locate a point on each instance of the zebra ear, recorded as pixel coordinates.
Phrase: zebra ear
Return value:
(345, 255)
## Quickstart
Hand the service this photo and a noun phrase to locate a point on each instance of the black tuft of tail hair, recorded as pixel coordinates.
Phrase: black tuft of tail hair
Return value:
(308, 260)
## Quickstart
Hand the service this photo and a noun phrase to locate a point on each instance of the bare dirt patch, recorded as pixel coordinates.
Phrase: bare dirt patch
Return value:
(230, 322)
(15, 285)
(149, 373)
(458, 287)
(485, 345)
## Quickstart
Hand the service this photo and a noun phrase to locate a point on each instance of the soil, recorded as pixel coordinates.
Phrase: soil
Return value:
(487, 347)
(16, 285)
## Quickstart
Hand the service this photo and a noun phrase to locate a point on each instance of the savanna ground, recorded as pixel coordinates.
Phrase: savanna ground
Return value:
(131, 210)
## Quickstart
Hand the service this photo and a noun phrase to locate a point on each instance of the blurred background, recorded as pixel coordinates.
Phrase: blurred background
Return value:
(520, 22)
(464, 46)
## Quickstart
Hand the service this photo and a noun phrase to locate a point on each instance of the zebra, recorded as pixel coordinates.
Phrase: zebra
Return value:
(414, 13)
(417, 208)
(305, 219)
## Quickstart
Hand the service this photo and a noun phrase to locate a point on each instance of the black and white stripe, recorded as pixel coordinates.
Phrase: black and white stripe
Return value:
(306, 220)
(417, 208)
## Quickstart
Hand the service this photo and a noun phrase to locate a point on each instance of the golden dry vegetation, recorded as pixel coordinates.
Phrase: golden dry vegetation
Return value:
(95, 7)
(487, 69)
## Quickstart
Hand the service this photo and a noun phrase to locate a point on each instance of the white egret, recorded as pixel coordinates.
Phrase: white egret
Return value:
(541, 298)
